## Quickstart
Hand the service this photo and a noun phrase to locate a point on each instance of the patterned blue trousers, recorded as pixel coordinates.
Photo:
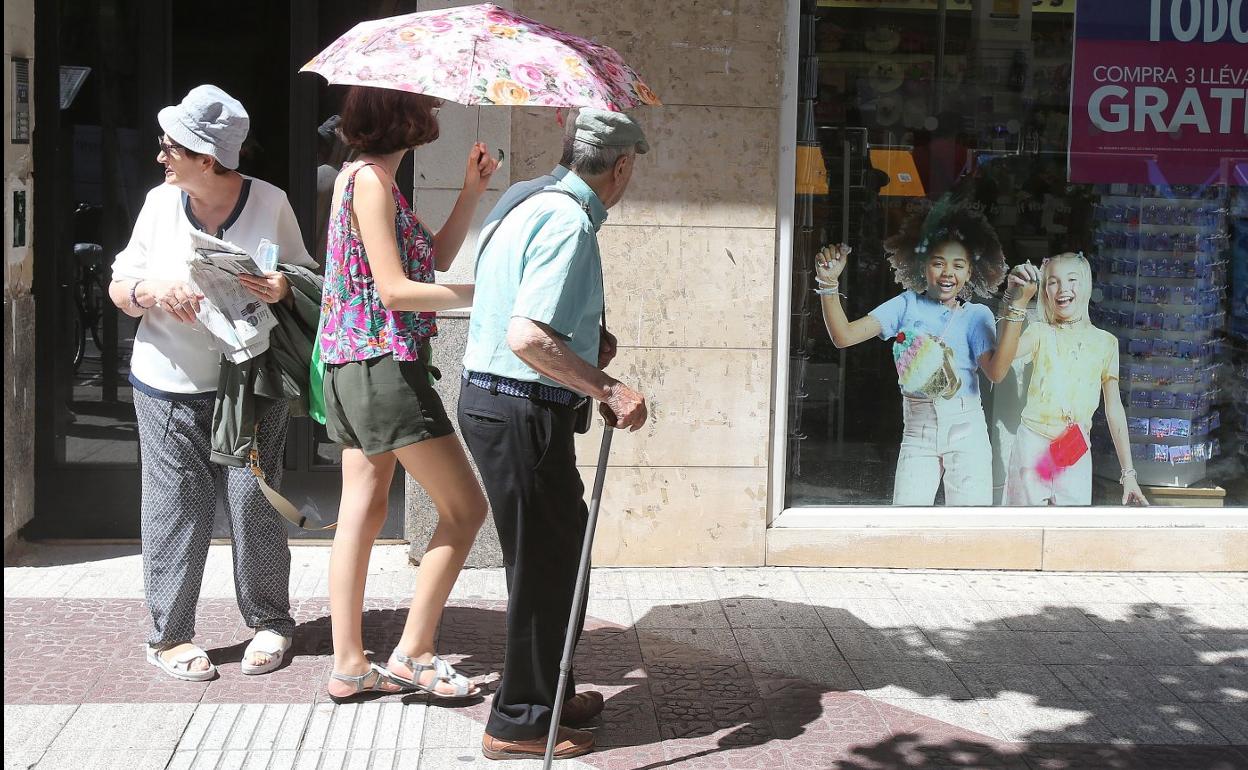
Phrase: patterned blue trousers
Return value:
(181, 486)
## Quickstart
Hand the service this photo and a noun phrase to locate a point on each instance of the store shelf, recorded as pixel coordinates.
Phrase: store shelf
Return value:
(1166, 371)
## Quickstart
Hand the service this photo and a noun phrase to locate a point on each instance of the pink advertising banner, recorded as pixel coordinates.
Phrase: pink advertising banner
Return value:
(1159, 91)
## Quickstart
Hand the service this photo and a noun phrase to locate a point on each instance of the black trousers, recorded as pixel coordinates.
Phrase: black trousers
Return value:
(526, 454)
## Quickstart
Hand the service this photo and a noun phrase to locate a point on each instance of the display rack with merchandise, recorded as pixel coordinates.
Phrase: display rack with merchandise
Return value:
(1235, 471)
(1160, 284)
(1239, 260)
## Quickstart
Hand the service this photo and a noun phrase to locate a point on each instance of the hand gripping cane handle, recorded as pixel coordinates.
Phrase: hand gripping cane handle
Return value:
(578, 597)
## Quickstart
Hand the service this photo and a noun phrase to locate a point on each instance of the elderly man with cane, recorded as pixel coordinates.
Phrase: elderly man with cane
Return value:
(537, 347)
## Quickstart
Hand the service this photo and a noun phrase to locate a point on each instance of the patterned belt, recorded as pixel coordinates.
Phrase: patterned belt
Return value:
(537, 391)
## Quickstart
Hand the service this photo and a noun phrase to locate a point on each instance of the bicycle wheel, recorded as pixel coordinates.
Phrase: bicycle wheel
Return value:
(78, 337)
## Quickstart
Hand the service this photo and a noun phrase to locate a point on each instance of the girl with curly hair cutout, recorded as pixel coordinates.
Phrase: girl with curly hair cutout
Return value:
(939, 341)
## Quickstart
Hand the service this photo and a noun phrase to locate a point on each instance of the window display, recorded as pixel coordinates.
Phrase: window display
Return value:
(909, 109)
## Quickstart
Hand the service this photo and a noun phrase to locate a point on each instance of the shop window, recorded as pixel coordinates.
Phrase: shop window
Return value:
(1024, 128)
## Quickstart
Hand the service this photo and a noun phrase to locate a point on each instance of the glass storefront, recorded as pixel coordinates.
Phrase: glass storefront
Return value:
(1118, 134)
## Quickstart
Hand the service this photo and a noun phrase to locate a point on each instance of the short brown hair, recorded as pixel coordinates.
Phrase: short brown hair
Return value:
(217, 168)
(384, 120)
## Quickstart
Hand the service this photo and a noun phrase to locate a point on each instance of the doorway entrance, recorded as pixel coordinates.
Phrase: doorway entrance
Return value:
(102, 71)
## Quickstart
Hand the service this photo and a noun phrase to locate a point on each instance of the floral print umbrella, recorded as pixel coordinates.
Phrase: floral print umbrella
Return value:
(482, 54)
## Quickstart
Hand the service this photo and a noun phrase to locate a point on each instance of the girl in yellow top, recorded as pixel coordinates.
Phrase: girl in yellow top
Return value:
(1074, 366)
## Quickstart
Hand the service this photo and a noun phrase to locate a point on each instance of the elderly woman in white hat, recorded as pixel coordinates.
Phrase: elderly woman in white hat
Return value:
(174, 373)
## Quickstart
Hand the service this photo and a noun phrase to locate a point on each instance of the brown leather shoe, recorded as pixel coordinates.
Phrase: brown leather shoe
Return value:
(581, 708)
(570, 743)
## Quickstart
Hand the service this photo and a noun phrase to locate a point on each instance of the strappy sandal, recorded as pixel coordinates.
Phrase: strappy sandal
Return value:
(268, 643)
(180, 666)
(362, 691)
(443, 673)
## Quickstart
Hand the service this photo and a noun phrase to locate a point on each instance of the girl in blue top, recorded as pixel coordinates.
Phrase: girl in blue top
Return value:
(939, 342)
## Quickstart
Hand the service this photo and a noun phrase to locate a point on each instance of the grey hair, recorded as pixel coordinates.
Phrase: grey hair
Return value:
(589, 159)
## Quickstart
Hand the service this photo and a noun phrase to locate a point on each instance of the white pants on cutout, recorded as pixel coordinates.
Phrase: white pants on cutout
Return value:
(944, 439)
(1025, 485)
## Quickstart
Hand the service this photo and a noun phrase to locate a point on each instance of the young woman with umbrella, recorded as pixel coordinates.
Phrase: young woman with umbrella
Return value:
(377, 316)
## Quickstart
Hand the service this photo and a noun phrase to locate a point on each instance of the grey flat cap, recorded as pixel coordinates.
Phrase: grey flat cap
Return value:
(609, 129)
(208, 121)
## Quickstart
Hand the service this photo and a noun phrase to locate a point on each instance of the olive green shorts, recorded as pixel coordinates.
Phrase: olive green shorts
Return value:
(380, 405)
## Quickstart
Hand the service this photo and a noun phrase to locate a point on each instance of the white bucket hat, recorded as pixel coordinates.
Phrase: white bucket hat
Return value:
(208, 121)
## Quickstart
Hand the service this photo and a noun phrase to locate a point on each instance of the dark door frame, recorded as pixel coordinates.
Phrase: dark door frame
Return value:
(113, 490)
(101, 501)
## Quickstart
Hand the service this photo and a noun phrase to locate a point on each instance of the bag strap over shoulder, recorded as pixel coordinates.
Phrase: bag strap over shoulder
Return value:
(486, 236)
(953, 316)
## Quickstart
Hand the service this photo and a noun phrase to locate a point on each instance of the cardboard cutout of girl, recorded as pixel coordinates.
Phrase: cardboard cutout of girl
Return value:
(1074, 368)
(939, 341)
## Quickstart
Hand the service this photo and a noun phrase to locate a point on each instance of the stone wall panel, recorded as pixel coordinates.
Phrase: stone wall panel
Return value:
(680, 516)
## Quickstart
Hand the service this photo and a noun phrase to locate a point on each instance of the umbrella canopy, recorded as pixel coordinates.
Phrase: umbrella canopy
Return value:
(482, 54)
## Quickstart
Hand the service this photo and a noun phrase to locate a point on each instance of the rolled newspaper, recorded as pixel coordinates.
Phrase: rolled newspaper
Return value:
(238, 322)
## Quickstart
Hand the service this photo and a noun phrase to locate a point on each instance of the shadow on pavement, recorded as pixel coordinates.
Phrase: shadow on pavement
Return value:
(45, 554)
(756, 684)
(818, 687)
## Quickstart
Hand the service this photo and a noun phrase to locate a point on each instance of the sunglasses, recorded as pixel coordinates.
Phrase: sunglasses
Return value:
(168, 147)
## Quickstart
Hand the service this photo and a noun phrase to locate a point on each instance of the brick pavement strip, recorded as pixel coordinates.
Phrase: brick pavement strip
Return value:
(732, 669)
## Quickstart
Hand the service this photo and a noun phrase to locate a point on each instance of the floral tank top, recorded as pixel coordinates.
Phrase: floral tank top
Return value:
(355, 326)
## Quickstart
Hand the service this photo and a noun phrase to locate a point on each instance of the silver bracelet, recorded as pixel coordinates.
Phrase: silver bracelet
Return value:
(1126, 472)
(828, 291)
(1013, 314)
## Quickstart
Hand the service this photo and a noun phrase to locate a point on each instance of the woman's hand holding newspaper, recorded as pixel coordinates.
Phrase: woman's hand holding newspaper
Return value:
(273, 287)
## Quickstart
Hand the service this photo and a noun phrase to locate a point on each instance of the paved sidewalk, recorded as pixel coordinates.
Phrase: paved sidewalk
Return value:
(740, 669)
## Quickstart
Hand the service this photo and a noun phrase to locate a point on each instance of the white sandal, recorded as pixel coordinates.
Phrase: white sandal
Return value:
(443, 673)
(180, 666)
(268, 643)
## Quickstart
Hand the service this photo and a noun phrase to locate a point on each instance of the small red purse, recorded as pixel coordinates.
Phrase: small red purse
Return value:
(1067, 448)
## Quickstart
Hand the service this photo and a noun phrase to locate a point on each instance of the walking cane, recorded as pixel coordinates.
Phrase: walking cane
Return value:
(578, 596)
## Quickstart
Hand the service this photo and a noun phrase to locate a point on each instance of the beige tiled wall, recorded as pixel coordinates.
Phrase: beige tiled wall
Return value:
(1108, 549)
(689, 258)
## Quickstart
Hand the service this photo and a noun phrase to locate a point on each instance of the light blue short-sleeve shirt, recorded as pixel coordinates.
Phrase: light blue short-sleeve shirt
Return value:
(970, 331)
(542, 263)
